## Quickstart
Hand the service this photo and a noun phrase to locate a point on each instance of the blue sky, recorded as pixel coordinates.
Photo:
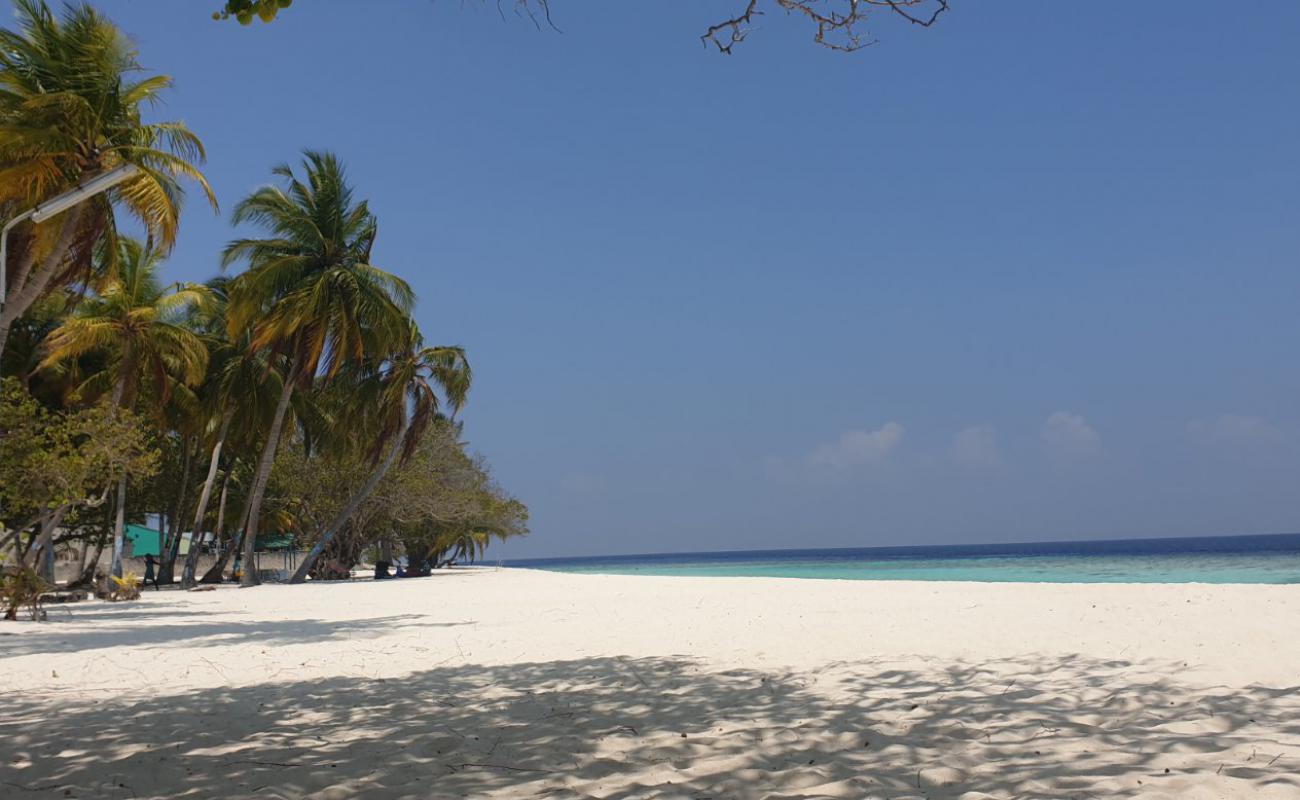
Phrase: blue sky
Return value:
(1028, 275)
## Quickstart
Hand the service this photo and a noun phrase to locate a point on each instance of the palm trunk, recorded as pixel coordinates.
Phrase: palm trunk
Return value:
(215, 572)
(220, 530)
(28, 286)
(91, 566)
(262, 475)
(119, 519)
(119, 527)
(167, 569)
(337, 524)
(192, 557)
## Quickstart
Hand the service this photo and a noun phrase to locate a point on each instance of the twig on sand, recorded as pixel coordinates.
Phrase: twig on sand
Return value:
(1275, 758)
(635, 674)
(468, 764)
(38, 788)
(259, 763)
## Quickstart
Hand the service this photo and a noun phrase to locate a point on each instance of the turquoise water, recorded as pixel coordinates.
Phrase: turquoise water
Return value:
(1244, 559)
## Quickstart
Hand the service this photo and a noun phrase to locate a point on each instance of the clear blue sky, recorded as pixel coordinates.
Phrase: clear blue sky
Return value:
(1029, 275)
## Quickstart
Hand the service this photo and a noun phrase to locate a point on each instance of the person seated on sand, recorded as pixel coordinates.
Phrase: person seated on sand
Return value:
(381, 570)
(401, 573)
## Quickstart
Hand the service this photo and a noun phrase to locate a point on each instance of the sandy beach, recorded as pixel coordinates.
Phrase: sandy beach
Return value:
(517, 683)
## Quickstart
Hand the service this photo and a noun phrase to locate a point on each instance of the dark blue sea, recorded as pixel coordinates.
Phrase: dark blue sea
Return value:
(1214, 559)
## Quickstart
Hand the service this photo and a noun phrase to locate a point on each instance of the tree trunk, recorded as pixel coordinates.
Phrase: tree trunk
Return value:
(28, 286)
(167, 569)
(88, 570)
(220, 529)
(262, 475)
(43, 553)
(119, 527)
(196, 532)
(337, 524)
(214, 573)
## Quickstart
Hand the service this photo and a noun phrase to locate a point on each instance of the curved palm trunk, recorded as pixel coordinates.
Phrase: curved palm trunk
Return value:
(28, 286)
(167, 567)
(192, 557)
(338, 522)
(91, 565)
(262, 475)
(217, 571)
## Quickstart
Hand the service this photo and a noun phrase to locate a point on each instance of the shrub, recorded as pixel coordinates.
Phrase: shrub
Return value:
(21, 587)
(128, 587)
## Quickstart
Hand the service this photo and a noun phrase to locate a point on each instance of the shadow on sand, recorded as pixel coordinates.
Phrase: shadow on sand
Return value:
(115, 631)
(671, 727)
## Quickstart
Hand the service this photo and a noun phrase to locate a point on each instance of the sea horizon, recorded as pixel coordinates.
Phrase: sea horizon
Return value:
(1246, 558)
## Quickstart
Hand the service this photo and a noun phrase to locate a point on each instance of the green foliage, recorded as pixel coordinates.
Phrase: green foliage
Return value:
(51, 459)
(21, 587)
(142, 328)
(72, 102)
(118, 375)
(310, 290)
(245, 10)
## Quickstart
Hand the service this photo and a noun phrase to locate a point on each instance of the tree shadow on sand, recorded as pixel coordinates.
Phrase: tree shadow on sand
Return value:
(672, 727)
(50, 640)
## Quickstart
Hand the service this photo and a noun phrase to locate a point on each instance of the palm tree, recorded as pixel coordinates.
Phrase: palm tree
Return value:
(407, 387)
(71, 107)
(310, 293)
(140, 327)
(241, 386)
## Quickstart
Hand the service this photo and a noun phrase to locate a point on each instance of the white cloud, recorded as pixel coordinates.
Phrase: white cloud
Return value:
(976, 447)
(857, 447)
(1070, 435)
(1235, 430)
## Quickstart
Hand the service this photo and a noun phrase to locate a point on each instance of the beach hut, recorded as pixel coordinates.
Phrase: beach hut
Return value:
(142, 541)
(276, 556)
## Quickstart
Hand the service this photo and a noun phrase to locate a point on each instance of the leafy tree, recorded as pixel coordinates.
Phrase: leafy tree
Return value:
(407, 401)
(72, 107)
(53, 463)
(241, 387)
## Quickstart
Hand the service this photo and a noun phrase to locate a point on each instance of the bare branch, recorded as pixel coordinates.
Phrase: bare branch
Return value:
(840, 24)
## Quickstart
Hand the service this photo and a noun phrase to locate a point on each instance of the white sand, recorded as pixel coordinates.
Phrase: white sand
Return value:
(512, 683)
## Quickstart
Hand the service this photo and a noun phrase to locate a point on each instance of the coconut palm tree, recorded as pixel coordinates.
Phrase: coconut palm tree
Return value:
(242, 386)
(405, 393)
(310, 293)
(141, 327)
(72, 102)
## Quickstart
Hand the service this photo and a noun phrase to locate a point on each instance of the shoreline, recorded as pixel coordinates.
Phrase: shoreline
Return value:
(943, 581)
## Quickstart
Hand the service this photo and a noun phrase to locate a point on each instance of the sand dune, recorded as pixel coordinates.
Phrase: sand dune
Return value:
(510, 683)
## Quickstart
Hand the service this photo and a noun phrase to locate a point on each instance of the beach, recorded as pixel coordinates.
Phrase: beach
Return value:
(520, 683)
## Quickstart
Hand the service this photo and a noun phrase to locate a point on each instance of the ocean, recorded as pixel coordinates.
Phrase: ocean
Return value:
(1214, 559)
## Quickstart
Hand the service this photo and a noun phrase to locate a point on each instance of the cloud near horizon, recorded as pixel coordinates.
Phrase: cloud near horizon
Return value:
(1069, 435)
(851, 449)
(854, 448)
